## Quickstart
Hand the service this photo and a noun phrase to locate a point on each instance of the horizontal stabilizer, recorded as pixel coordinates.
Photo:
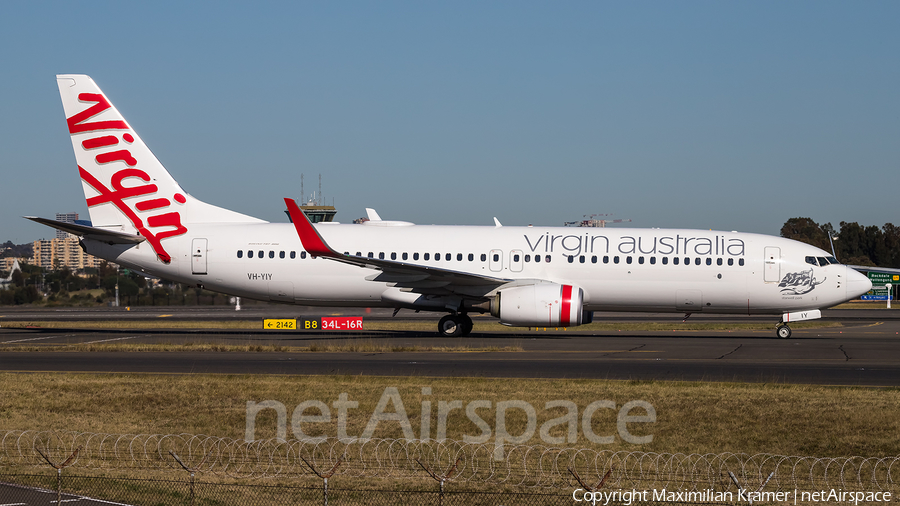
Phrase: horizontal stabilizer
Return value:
(93, 233)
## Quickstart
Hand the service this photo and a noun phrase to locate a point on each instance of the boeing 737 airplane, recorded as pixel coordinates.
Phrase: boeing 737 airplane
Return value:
(525, 276)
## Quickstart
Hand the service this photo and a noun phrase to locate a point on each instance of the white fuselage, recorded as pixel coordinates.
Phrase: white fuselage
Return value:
(619, 269)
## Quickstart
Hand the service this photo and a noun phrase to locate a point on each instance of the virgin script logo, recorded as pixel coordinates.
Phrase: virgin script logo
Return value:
(165, 224)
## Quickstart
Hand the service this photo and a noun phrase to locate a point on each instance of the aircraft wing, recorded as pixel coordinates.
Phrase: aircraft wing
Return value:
(94, 233)
(418, 278)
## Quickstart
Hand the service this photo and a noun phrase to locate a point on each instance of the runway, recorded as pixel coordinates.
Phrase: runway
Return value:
(864, 351)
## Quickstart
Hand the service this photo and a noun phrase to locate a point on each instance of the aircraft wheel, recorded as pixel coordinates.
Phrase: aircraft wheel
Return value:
(451, 326)
(784, 332)
(467, 324)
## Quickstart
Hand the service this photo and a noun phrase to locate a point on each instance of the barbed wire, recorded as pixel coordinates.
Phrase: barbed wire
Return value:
(521, 466)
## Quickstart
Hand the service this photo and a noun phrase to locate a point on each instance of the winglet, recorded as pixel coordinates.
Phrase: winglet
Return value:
(309, 236)
(373, 216)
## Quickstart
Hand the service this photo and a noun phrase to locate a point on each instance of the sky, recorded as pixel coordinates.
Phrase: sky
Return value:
(708, 115)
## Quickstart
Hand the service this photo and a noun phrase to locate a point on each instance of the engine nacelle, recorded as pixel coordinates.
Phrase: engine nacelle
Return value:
(540, 305)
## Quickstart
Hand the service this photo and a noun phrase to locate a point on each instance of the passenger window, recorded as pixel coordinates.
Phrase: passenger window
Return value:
(371, 255)
(730, 261)
(281, 254)
(437, 257)
(527, 258)
(261, 254)
(537, 258)
(381, 255)
(652, 260)
(581, 259)
(628, 260)
(459, 257)
(415, 256)
(303, 255)
(571, 259)
(516, 258)
(640, 260)
(271, 254)
(293, 254)
(240, 253)
(426, 256)
(547, 259)
(471, 257)
(483, 257)
(250, 253)
(741, 262)
(606, 259)
(405, 256)
(811, 260)
(594, 259)
(718, 261)
(615, 259)
(709, 261)
(675, 261)
(496, 257)
(359, 253)
(665, 260)
(687, 261)
(448, 257)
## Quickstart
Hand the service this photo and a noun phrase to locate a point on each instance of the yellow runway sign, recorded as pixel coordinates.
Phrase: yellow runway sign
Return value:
(280, 324)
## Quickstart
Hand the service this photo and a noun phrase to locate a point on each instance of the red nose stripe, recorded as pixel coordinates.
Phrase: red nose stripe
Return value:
(566, 306)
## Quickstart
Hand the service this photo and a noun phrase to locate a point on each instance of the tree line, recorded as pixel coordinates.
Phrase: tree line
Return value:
(64, 287)
(854, 244)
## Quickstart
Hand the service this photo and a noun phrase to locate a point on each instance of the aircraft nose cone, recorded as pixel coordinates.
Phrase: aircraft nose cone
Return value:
(857, 284)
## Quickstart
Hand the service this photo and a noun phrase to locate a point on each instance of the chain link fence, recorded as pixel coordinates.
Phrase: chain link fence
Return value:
(198, 469)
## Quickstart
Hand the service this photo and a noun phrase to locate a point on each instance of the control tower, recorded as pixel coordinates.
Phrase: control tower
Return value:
(314, 207)
(317, 214)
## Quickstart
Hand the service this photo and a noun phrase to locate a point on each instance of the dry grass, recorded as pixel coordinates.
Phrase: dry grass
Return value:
(424, 325)
(352, 345)
(691, 417)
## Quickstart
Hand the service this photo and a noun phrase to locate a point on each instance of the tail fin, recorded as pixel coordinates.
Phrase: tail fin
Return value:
(127, 189)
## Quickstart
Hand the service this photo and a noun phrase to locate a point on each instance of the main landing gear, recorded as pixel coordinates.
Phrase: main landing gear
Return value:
(455, 325)
(782, 330)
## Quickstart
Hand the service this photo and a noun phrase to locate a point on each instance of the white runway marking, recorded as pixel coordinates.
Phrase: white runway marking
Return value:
(115, 339)
(35, 339)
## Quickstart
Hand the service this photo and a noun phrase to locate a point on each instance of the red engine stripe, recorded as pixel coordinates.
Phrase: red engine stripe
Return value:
(566, 306)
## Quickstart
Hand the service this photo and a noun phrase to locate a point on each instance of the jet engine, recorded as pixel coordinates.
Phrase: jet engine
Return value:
(540, 305)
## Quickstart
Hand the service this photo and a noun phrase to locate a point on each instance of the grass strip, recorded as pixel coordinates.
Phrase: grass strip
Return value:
(410, 325)
(361, 346)
(691, 417)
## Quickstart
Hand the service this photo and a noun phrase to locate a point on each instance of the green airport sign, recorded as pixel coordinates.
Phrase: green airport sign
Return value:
(883, 278)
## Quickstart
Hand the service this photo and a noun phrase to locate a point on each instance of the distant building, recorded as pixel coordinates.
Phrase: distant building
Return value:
(57, 253)
(65, 218)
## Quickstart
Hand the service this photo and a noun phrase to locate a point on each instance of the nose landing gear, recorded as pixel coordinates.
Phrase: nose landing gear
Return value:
(455, 325)
(783, 331)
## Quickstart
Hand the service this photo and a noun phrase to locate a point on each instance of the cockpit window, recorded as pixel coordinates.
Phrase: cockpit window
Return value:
(822, 261)
(811, 260)
(832, 260)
